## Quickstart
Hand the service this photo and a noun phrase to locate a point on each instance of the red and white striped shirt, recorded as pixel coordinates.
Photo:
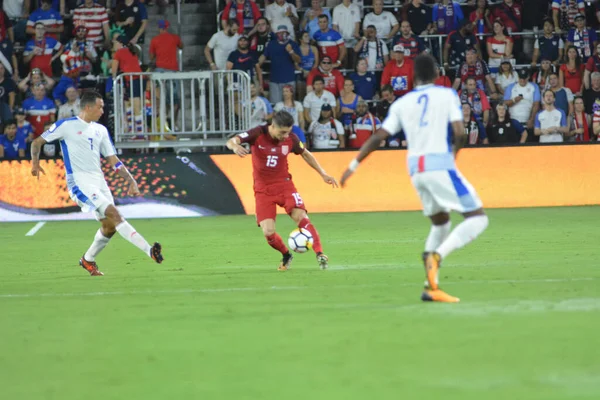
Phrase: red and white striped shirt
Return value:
(93, 18)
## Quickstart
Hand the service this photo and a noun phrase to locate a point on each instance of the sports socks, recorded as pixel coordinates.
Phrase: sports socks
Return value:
(437, 235)
(131, 235)
(99, 243)
(276, 242)
(305, 224)
(463, 234)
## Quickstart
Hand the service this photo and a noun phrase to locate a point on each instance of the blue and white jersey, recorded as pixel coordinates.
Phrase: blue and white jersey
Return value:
(82, 146)
(425, 115)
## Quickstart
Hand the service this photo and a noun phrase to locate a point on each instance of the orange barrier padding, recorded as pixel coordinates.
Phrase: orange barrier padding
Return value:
(533, 176)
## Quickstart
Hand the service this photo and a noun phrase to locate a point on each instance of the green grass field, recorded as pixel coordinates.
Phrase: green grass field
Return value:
(218, 321)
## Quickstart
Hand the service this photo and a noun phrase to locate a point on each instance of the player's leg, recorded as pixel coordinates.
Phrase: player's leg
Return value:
(266, 211)
(301, 219)
(440, 229)
(101, 239)
(474, 224)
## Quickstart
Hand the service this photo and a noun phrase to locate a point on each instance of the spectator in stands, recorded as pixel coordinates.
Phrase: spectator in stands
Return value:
(346, 107)
(6, 28)
(581, 123)
(49, 17)
(384, 22)
(326, 132)
(592, 65)
(126, 61)
(549, 46)
(40, 109)
(310, 21)
(458, 44)
(413, 45)
(419, 17)
(24, 128)
(523, 100)
(571, 72)
(260, 109)
(12, 146)
(387, 98)
(541, 76)
(591, 96)
(163, 49)
(8, 92)
(398, 72)
(16, 14)
(334, 80)
(260, 36)
(480, 105)
(511, 15)
(372, 49)
(584, 39)
(504, 129)
(474, 129)
(284, 54)
(222, 43)
(550, 123)
(315, 99)
(480, 19)
(246, 60)
(563, 96)
(41, 51)
(533, 21)
(365, 82)
(133, 18)
(309, 55)
(564, 12)
(447, 16)
(330, 42)
(95, 19)
(71, 107)
(291, 106)
(346, 20)
(245, 12)
(506, 76)
(33, 78)
(281, 12)
(442, 79)
(499, 46)
(365, 125)
(477, 68)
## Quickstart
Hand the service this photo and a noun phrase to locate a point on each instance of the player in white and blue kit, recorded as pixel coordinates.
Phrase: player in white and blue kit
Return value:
(432, 121)
(83, 141)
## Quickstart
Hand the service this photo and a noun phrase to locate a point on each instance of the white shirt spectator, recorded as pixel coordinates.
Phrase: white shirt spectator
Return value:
(504, 81)
(547, 119)
(260, 109)
(372, 58)
(346, 18)
(222, 45)
(276, 16)
(294, 111)
(326, 136)
(314, 103)
(13, 8)
(521, 111)
(384, 23)
(68, 110)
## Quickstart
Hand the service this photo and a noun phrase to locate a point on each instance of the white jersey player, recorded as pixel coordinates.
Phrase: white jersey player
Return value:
(432, 121)
(83, 141)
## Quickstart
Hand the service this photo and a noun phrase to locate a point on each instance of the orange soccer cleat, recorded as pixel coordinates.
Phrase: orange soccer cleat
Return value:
(438, 295)
(90, 266)
(286, 262)
(432, 267)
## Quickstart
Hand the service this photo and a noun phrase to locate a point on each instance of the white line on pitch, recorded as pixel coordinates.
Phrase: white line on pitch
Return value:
(36, 228)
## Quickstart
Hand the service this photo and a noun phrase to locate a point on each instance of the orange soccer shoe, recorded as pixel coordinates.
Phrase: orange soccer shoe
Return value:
(286, 262)
(90, 266)
(438, 295)
(432, 267)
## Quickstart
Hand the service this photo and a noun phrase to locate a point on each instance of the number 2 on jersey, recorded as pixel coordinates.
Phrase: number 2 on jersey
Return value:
(425, 99)
(272, 161)
(91, 143)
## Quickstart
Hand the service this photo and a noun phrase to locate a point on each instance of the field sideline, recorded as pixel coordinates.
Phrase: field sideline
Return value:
(218, 321)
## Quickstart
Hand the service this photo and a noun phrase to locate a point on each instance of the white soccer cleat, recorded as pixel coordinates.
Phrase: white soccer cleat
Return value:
(323, 261)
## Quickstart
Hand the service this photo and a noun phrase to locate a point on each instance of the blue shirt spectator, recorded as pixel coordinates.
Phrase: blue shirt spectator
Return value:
(313, 25)
(299, 132)
(584, 41)
(447, 16)
(365, 85)
(12, 147)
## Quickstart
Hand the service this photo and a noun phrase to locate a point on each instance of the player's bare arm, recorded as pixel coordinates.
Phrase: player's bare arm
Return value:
(370, 146)
(36, 148)
(460, 137)
(312, 161)
(123, 172)
(234, 145)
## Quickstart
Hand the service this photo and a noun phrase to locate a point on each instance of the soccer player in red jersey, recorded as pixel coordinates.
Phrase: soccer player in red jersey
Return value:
(273, 185)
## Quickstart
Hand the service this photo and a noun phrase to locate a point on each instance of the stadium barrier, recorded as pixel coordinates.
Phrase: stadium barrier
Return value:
(197, 185)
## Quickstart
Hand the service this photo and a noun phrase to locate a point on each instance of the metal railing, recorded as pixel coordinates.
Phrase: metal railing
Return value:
(180, 109)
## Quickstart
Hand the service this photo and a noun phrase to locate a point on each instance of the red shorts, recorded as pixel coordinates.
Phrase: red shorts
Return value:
(283, 195)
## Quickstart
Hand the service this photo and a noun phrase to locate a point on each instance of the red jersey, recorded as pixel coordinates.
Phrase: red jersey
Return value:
(511, 16)
(164, 48)
(269, 156)
(128, 62)
(334, 81)
(399, 77)
(443, 80)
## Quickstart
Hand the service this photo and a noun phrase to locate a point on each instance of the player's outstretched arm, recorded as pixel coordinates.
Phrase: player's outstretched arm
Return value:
(367, 148)
(234, 145)
(36, 148)
(312, 161)
(123, 172)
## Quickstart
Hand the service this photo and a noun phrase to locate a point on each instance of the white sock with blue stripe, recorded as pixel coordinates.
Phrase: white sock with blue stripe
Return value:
(437, 235)
(463, 234)
(131, 235)
(99, 243)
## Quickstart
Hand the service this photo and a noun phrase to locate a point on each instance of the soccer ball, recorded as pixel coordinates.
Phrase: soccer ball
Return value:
(300, 240)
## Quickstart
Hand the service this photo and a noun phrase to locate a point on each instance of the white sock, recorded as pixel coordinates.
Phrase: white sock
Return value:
(437, 235)
(131, 235)
(463, 234)
(99, 243)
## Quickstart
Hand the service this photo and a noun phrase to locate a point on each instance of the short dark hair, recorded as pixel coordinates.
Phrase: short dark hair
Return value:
(89, 98)
(387, 88)
(318, 79)
(424, 68)
(8, 123)
(324, 16)
(283, 119)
